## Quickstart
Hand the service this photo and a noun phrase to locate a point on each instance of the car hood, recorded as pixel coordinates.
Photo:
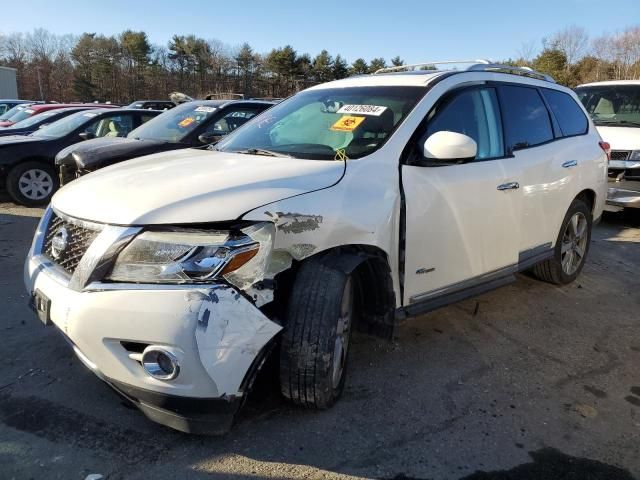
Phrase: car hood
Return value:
(100, 152)
(191, 186)
(15, 139)
(621, 138)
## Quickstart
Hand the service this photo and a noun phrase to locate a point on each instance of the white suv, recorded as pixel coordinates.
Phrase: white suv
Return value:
(615, 109)
(368, 199)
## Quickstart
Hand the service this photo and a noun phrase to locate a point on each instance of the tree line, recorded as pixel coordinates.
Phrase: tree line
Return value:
(126, 67)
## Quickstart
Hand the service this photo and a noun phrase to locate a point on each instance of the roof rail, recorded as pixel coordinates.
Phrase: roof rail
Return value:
(475, 66)
(513, 70)
(413, 66)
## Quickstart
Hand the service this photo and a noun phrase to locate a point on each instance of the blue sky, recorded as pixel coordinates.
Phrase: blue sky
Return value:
(416, 30)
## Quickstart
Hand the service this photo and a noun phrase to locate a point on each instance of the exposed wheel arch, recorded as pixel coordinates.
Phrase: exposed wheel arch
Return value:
(589, 197)
(369, 265)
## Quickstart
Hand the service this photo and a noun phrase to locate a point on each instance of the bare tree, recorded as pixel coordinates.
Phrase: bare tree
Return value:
(527, 51)
(572, 41)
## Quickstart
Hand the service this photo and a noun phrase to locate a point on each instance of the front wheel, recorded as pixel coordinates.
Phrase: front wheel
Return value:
(32, 183)
(315, 341)
(572, 247)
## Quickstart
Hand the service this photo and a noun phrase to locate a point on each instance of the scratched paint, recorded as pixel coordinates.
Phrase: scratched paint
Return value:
(298, 222)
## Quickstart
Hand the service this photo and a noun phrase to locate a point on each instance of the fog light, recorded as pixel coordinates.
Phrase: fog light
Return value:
(160, 363)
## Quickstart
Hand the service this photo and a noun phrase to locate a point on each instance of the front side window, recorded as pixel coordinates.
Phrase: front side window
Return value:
(474, 113)
(321, 124)
(112, 126)
(525, 116)
(232, 120)
(614, 105)
(569, 115)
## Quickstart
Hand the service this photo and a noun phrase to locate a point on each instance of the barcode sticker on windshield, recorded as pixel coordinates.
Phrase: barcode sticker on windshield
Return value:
(89, 114)
(362, 110)
(206, 109)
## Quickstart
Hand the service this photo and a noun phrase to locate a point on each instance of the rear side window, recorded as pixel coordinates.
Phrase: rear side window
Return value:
(525, 117)
(569, 115)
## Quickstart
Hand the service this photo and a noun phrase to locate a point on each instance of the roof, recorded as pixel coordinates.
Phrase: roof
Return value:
(43, 107)
(9, 68)
(610, 82)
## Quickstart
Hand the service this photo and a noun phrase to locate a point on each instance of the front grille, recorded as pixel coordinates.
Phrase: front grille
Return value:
(620, 154)
(78, 238)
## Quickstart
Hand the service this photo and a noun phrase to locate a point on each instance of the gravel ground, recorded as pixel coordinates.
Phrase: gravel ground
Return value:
(529, 381)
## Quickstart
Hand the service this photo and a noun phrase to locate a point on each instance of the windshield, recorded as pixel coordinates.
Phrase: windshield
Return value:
(64, 126)
(326, 124)
(34, 119)
(174, 125)
(21, 115)
(612, 104)
(10, 113)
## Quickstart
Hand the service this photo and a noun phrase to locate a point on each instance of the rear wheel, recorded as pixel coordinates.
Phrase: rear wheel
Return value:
(315, 342)
(32, 183)
(572, 246)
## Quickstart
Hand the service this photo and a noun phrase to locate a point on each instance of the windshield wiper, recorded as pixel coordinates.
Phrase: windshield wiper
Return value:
(261, 151)
(616, 122)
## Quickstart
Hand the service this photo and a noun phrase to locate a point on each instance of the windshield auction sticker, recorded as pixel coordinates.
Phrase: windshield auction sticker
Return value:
(347, 123)
(204, 109)
(362, 110)
(186, 122)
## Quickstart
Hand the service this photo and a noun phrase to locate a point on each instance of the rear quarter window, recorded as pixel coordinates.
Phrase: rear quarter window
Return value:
(569, 115)
(525, 117)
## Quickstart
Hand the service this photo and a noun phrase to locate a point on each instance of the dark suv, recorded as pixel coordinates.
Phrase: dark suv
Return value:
(191, 124)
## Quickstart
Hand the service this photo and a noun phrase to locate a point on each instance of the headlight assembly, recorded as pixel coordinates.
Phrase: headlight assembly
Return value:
(193, 256)
(634, 155)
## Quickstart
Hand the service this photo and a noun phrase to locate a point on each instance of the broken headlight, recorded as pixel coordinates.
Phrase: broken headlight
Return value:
(191, 256)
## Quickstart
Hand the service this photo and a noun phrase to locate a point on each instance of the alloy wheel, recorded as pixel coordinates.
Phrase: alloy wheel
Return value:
(343, 329)
(574, 243)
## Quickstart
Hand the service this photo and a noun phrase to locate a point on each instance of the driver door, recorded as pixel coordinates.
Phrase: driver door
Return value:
(460, 219)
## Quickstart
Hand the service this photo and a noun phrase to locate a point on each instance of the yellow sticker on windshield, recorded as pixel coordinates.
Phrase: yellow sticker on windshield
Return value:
(186, 122)
(347, 123)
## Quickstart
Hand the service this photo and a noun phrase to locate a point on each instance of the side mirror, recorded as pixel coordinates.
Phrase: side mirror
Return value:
(450, 147)
(87, 135)
(207, 138)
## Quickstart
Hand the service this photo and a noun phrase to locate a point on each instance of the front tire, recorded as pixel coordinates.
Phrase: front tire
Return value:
(32, 183)
(572, 247)
(315, 341)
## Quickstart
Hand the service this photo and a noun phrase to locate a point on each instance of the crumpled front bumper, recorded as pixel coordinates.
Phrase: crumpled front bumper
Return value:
(214, 331)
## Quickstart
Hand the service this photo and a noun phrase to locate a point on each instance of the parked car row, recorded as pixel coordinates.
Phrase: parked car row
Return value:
(356, 203)
(37, 134)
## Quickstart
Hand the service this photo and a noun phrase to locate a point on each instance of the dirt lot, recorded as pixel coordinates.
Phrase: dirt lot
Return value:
(530, 381)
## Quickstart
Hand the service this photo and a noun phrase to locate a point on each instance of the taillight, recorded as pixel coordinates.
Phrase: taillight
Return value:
(607, 149)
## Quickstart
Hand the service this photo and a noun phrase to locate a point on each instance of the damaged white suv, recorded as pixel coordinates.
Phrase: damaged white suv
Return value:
(364, 200)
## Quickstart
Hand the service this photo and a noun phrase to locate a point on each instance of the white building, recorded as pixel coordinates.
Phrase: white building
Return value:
(8, 83)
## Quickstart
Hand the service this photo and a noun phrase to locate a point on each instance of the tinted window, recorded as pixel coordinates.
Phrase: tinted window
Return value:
(525, 117)
(569, 115)
(232, 120)
(616, 105)
(474, 113)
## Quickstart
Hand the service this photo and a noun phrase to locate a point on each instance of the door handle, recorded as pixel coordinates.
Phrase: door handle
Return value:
(570, 163)
(509, 186)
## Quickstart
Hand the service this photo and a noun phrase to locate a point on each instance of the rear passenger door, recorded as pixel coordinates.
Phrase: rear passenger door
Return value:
(543, 164)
